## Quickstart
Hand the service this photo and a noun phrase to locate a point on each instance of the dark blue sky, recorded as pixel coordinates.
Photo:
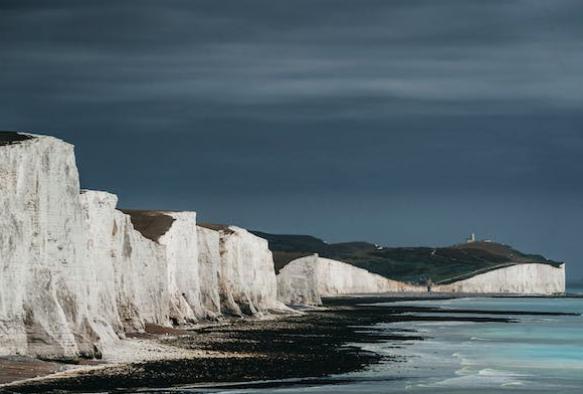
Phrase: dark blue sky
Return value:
(398, 122)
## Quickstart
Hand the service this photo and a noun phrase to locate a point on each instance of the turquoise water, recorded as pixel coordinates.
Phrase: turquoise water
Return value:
(540, 354)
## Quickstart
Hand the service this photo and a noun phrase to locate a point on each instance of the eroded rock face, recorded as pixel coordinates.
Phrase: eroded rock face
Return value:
(77, 274)
(43, 292)
(209, 259)
(247, 282)
(181, 242)
(245, 275)
(298, 282)
(524, 279)
(131, 269)
(307, 279)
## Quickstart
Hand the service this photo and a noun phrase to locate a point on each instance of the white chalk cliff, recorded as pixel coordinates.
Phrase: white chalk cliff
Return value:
(76, 273)
(524, 279)
(246, 279)
(209, 258)
(304, 281)
(307, 279)
(45, 307)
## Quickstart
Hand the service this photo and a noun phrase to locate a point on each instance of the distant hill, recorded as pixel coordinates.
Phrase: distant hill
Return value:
(409, 264)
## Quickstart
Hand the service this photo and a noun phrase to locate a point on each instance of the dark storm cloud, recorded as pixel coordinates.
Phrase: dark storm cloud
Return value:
(451, 56)
(395, 121)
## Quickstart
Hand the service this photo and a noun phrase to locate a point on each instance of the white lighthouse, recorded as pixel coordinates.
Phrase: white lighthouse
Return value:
(471, 238)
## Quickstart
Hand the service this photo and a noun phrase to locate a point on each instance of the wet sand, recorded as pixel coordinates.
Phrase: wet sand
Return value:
(19, 367)
(300, 348)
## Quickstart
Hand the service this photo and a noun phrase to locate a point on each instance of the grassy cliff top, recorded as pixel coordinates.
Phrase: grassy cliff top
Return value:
(151, 224)
(410, 264)
(12, 137)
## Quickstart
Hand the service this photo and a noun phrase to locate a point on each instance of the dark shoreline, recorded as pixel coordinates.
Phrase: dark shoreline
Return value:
(306, 349)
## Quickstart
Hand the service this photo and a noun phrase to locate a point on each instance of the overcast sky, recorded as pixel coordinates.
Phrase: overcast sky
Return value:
(398, 122)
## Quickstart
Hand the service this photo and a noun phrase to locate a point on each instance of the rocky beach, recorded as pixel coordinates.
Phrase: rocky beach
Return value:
(294, 350)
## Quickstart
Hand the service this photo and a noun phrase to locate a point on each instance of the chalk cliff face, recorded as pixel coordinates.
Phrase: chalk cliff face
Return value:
(245, 276)
(530, 278)
(135, 268)
(209, 259)
(174, 233)
(307, 279)
(247, 282)
(181, 243)
(298, 283)
(43, 274)
(77, 274)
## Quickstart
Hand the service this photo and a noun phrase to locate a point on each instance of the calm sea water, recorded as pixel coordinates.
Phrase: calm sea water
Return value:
(540, 354)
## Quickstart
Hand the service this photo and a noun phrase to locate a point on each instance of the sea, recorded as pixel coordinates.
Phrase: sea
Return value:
(534, 354)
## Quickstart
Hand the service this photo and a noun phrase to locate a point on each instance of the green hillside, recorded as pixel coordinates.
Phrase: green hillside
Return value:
(410, 264)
